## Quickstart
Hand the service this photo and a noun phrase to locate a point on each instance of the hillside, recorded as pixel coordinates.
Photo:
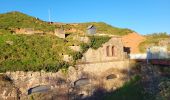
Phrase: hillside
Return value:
(31, 53)
(133, 40)
(102, 28)
(45, 52)
(13, 20)
(155, 39)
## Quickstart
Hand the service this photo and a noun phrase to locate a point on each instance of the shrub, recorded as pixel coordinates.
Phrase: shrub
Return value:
(97, 41)
(31, 53)
(153, 39)
(77, 55)
(84, 47)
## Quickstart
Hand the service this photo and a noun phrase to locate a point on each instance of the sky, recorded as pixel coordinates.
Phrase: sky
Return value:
(142, 16)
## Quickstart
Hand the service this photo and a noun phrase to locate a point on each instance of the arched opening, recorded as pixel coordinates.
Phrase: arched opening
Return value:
(113, 51)
(107, 51)
(111, 76)
(38, 89)
(82, 82)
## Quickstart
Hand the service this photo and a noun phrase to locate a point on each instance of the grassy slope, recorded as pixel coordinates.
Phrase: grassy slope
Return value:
(102, 28)
(33, 52)
(12, 20)
(107, 29)
(153, 39)
(30, 52)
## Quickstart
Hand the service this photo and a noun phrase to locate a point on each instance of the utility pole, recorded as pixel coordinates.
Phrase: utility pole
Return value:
(49, 15)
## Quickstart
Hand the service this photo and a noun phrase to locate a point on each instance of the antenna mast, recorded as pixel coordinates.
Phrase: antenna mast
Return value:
(49, 15)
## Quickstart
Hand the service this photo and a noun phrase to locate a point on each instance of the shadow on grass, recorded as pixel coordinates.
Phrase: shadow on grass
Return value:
(132, 90)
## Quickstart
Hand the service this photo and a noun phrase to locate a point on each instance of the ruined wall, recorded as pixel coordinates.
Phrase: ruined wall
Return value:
(105, 53)
(60, 33)
(96, 73)
(101, 67)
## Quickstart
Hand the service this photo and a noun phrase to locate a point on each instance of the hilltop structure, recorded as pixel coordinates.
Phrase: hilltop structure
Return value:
(91, 29)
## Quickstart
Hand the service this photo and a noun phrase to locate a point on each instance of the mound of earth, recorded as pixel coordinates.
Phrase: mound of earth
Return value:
(133, 40)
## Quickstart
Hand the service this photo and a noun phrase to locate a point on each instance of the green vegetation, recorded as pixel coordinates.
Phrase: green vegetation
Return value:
(97, 41)
(153, 39)
(31, 53)
(104, 28)
(77, 55)
(131, 90)
(13, 20)
(35, 53)
(84, 47)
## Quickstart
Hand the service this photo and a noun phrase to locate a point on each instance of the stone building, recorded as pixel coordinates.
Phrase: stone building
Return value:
(91, 29)
(110, 51)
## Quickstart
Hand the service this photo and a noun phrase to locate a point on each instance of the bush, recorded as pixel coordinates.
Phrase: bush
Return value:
(153, 39)
(84, 47)
(56, 67)
(97, 41)
(77, 55)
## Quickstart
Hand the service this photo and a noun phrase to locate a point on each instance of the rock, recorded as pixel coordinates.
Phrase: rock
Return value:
(9, 42)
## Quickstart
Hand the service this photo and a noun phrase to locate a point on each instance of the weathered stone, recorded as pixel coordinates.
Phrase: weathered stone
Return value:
(109, 51)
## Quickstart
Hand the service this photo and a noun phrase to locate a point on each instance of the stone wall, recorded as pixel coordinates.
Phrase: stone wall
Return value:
(60, 33)
(95, 72)
(110, 51)
(102, 67)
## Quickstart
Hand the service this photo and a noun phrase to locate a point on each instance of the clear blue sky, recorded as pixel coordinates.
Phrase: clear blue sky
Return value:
(143, 16)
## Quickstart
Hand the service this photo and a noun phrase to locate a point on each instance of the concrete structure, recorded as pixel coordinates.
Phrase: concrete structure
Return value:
(91, 30)
(60, 33)
(154, 52)
(157, 52)
(138, 56)
(109, 51)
